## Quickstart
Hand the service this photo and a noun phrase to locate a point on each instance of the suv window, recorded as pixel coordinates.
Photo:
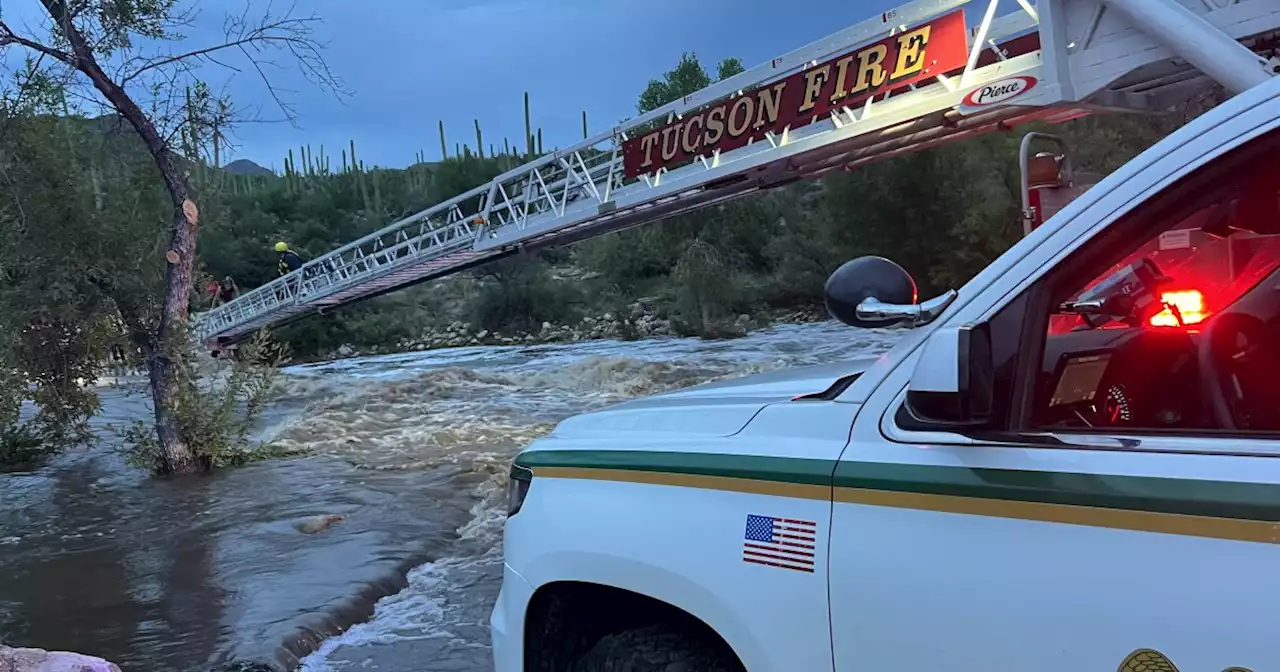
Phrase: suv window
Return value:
(1170, 321)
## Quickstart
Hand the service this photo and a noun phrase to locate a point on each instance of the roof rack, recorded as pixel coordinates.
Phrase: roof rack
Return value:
(905, 80)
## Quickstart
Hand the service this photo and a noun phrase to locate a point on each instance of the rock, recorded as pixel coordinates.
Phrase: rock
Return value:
(312, 525)
(346, 351)
(419, 347)
(546, 326)
(39, 660)
(483, 333)
(608, 317)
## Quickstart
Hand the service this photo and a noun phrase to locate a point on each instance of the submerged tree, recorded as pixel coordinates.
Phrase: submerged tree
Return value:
(149, 92)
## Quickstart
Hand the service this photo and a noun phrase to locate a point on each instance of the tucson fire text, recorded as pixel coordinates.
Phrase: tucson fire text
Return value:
(895, 62)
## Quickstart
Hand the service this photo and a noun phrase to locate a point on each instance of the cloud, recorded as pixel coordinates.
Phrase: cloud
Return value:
(411, 63)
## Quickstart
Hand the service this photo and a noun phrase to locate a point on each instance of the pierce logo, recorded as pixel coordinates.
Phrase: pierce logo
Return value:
(999, 91)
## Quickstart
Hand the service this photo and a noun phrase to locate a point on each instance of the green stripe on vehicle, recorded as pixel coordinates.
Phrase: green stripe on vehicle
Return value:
(751, 467)
(1219, 499)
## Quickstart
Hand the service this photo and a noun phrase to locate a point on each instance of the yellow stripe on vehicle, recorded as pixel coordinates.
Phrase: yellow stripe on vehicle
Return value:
(750, 486)
(1120, 519)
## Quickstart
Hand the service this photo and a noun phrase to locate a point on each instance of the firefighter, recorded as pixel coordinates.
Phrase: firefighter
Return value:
(289, 260)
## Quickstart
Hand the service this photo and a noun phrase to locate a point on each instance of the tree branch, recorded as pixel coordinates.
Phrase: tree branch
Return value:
(8, 37)
(84, 61)
(201, 53)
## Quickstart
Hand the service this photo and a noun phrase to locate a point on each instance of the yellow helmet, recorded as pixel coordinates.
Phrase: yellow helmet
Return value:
(282, 247)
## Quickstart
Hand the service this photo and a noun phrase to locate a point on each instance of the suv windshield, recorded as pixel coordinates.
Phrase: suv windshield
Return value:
(1182, 333)
(1187, 272)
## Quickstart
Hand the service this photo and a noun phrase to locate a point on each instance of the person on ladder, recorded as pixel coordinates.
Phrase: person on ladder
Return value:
(289, 260)
(227, 290)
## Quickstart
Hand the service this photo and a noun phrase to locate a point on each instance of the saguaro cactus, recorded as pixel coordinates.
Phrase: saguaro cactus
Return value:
(360, 182)
(528, 124)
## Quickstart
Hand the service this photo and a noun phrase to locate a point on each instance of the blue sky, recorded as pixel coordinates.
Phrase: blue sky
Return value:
(409, 63)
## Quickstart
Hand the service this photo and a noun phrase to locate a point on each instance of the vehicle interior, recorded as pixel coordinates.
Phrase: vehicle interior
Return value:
(1182, 331)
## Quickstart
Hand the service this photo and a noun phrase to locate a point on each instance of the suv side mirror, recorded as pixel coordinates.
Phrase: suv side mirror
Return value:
(873, 292)
(952, 384)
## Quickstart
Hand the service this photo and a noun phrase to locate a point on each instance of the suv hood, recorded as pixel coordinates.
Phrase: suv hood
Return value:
(718, 408)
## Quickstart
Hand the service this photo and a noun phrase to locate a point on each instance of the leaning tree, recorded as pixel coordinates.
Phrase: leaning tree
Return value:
(131, 58)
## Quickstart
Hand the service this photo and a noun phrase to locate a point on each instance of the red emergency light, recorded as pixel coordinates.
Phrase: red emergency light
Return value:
(1189, 304)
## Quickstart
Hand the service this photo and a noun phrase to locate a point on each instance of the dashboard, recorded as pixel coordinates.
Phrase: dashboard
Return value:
(1138, 376)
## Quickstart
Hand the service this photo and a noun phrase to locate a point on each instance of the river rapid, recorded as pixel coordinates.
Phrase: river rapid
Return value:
(410, 450)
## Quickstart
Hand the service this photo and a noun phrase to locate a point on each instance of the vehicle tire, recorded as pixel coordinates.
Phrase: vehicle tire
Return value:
(657, 648)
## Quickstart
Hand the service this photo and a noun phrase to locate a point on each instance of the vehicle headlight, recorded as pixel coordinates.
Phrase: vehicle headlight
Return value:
(517, 488)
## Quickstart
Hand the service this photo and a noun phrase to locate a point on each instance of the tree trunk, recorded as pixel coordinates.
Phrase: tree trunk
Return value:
(178, 456)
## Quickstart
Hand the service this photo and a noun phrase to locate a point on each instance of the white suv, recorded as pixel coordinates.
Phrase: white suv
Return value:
(1073, 463)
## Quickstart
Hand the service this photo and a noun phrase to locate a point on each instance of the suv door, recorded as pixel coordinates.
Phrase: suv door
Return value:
(1056, 537)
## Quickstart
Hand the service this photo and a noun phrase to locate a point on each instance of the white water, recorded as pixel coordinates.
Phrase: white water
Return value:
(470, 411)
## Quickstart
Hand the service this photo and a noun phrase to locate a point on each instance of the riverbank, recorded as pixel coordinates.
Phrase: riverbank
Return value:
(641, 321)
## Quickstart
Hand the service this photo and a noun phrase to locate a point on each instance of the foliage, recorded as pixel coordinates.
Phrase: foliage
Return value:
(19, 443)
(519, 294)
(217, 415)
(79, 214)
(161, 96)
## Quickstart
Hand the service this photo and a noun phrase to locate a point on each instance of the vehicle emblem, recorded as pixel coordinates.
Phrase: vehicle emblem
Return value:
(999, 91)
(1150, 660)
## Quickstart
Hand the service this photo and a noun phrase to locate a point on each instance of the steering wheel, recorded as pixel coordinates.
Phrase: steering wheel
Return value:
(1227, 345)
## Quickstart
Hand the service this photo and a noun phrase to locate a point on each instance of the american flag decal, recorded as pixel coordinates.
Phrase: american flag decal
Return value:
(780, 542)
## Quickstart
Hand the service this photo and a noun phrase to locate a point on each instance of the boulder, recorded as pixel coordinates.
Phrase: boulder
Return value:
(39, 660)
(310, 525)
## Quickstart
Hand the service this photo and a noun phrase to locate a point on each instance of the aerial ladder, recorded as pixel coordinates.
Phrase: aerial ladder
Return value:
(903, 81)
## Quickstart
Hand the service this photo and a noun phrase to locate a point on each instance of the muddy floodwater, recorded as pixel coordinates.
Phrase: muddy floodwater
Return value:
(405, 458)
